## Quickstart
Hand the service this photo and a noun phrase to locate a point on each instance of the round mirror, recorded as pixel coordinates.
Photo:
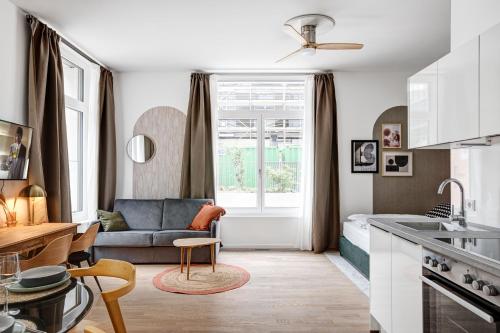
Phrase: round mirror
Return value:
(140, 148)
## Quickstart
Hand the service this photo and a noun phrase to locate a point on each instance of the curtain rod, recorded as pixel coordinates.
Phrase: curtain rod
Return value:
(287, 73)
(68, 43)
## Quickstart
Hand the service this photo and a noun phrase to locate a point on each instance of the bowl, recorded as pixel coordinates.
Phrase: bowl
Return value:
(42, 276)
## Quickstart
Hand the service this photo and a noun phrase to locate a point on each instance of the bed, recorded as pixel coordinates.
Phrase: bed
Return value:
(355, 239)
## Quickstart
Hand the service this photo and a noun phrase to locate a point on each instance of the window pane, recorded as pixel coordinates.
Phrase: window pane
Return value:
(282, 162)
(73, 76)
(237, 162)
(260, 96)
(74, 135)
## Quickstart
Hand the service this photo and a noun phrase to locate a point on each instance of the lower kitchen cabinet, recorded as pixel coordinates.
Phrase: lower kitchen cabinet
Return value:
(395, 286)
(406, 289)
(380, 277)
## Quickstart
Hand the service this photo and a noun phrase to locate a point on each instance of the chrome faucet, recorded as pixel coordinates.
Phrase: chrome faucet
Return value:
(460, 218)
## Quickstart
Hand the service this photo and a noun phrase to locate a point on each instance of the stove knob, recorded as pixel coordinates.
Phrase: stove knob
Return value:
(434, 263)
(477, 285)
(467, 279)
(490, 290)
(427, 260)
(443, 267)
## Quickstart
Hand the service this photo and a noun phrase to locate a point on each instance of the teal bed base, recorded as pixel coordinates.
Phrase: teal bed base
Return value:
(357, 257)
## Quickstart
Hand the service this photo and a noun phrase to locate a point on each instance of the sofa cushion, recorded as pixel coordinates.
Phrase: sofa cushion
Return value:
(130, 238)
(167, 237)
(141, 214)
(179, 213)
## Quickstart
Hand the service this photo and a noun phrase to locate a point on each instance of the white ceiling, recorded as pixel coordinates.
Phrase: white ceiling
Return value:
(135, 35)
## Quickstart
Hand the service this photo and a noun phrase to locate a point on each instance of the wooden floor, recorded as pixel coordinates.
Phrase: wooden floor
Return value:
(287, 292)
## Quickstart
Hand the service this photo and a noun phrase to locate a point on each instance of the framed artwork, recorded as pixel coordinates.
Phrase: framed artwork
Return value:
(397, 163)
(364, 156)
(391, 135)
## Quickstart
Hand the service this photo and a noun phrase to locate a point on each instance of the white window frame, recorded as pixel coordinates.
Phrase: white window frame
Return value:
(261, 117)
(82, 106)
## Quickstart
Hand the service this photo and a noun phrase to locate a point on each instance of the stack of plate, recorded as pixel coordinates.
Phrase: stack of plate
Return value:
(40, 278)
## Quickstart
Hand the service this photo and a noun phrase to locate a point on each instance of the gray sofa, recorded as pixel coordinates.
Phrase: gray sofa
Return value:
(154, 225)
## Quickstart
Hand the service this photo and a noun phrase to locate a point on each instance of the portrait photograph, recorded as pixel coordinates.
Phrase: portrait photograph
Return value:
(364, 156)
(391, 135)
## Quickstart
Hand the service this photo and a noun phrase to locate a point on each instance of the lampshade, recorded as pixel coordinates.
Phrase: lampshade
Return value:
(32, 191)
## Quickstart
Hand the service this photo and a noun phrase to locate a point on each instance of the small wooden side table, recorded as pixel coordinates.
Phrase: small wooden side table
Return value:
(190, 243)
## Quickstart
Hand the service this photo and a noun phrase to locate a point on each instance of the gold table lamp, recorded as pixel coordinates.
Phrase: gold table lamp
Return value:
(36, 198)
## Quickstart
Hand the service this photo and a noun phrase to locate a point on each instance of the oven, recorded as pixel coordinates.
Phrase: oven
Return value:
(449, 308)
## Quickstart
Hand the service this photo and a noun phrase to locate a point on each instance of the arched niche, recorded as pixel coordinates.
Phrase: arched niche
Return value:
(409, 195)
(160, 177)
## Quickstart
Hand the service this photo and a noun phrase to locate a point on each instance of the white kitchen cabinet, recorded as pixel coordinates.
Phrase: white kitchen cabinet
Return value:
(380, 277)
(458, 94)
(490, 82)
(406, 286)
(423, 107)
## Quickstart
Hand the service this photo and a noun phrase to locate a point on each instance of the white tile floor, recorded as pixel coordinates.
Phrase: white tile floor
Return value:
(352, 273)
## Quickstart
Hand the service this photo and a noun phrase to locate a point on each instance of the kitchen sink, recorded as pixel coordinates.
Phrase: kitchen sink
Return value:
(429, 226)
(438, 226)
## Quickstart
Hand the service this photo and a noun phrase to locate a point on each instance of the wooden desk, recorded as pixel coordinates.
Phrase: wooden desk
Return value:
(26, 238)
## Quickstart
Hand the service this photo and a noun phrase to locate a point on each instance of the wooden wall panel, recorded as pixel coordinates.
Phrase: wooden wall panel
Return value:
(160, 177)
(409, 195)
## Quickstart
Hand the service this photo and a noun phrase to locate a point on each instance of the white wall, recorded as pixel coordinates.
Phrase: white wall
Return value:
(13, 64)
(472, 17)
(361, 98)
(14, 43)
(135, 93)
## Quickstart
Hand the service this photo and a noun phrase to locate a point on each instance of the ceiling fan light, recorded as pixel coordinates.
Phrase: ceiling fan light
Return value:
(309, 51)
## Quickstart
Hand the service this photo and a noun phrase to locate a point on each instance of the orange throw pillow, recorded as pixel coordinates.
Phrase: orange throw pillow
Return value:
(207, 213)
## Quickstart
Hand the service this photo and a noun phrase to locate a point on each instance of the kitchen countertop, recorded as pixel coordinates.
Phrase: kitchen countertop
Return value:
(428, 239)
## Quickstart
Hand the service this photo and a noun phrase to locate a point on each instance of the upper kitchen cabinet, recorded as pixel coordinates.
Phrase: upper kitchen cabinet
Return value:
(490, 82)
(458, 94)
(423, 107)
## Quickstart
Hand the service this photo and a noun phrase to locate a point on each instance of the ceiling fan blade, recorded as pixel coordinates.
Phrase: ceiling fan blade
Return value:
(294, 33)
(339, 46)
(294, 53)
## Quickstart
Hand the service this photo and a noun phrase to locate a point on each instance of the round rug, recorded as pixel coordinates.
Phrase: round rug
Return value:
(202, 281)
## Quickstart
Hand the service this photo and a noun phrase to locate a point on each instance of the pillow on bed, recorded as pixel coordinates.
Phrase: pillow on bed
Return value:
(441, 210)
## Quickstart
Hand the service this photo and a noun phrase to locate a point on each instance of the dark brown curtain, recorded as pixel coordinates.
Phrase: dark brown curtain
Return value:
(107, 143)
(326, 220)
(49, 166)
(197, 180)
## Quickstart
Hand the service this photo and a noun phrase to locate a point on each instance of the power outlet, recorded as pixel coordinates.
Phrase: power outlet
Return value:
(470, 205)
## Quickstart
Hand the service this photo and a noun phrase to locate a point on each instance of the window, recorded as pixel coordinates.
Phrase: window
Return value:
(76, 82)
(259, 143)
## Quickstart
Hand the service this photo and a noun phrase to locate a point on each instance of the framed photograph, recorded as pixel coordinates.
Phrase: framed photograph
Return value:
(397, 163)
(364, 156)
(391, 135)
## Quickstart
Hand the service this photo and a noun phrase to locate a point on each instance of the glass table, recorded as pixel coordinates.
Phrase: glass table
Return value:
(58, 312)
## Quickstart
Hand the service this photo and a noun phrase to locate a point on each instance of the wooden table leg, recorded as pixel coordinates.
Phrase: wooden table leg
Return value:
(188, 261)
(182, 260)
(212, 256)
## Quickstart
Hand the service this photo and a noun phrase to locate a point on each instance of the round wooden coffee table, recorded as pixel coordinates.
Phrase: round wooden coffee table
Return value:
(190, 243)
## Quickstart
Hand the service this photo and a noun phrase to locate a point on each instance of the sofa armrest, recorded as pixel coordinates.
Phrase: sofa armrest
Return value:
(214, 229)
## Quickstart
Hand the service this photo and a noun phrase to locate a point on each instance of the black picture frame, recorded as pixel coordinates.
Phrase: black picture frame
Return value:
(358, 166)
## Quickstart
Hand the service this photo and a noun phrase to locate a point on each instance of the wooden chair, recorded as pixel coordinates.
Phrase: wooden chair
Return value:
(112, 268)
(55, 253)
(79, 247)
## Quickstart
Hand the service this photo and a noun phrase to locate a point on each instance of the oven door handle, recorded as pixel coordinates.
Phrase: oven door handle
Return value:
(469, 306)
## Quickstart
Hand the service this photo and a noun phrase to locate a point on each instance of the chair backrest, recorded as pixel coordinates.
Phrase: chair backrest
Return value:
(55, 253)
(111, 268)
(86, 240)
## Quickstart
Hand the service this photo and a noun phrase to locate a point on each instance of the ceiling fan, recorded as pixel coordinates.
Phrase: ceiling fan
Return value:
(305, 28)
